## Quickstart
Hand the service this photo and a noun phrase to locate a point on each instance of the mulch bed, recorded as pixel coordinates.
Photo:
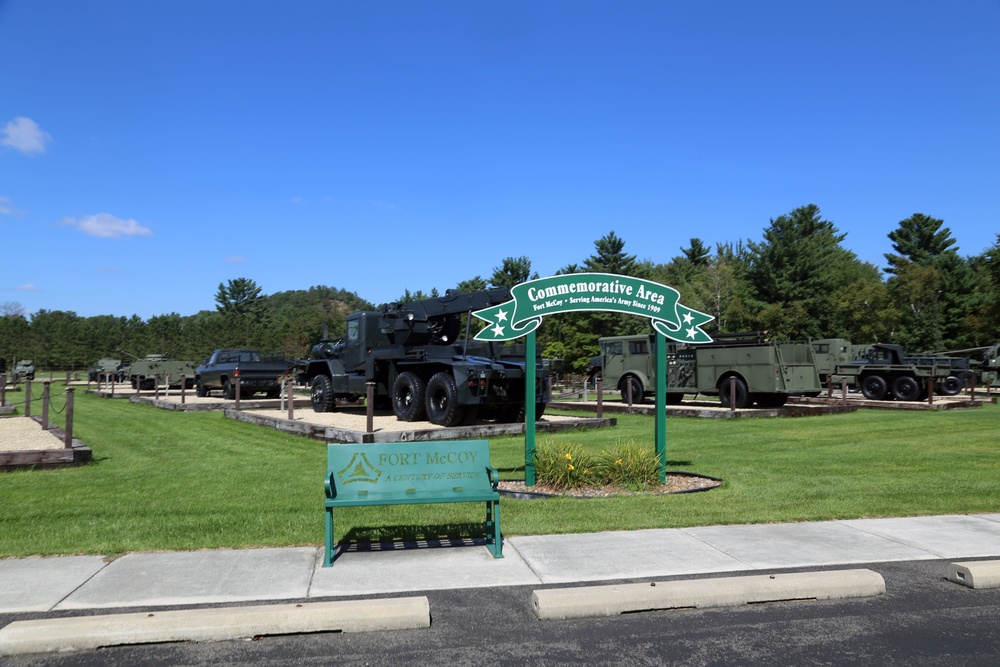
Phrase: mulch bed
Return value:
(676, 483)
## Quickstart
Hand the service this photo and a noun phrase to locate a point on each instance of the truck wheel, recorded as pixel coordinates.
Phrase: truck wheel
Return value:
(874, 387)
(228, 390)
(906, 388)
(202, 390)
(725, 389)
(949, 387)
(442, 400)
(321, 394)
(408, 397)
(636, 389)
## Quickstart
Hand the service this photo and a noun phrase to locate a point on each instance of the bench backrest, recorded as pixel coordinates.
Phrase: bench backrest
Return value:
(374, 469)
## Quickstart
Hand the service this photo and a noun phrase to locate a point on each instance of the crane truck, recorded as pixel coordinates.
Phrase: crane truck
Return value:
(419, 364)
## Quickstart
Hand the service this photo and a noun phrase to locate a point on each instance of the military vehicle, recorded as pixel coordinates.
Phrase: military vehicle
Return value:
(413, 354)
(747, 366)
(256, 372)
(107, 368)
(23, 370)
(883, 370)
(143, 373)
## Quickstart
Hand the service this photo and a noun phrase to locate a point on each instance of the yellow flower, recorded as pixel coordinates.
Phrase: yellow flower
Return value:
(586, 472)
(569, 457)
(618, 462)
(570, 467)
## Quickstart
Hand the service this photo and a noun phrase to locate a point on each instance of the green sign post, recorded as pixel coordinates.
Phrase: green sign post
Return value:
(535, 299)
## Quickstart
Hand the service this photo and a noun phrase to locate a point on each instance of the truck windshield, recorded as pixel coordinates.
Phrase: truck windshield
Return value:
(352, 331)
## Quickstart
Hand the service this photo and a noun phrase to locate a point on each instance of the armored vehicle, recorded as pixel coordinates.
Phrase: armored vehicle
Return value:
(145, 372)
(412, 355)
(107, 368)
(256, 372)
(746, 366)
(23, 370)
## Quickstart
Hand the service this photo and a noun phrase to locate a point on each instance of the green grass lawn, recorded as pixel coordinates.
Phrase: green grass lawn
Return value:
(164, 480)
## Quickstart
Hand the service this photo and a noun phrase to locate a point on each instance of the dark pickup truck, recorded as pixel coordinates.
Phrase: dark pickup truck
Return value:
(257, 373)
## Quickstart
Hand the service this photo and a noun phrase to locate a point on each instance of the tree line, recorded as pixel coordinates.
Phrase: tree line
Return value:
(797, 282)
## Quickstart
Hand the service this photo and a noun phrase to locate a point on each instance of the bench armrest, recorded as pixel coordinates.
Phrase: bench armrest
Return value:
(328, 486)
(494, 476)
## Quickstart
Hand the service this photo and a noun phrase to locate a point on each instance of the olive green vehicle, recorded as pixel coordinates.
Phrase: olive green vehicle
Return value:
(107, 368)
(24, 369)
(886, 371)
(746, 367)
(145, 372)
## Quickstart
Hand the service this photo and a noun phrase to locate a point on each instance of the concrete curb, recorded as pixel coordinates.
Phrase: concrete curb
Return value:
(214, 624)
(976, 574)
(590, 601)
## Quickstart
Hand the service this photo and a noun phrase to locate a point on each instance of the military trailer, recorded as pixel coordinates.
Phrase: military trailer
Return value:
(153, 369)
(746, 367)
(415, 358)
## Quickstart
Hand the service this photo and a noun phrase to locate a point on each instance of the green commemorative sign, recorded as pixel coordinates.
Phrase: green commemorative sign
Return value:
(535, 299)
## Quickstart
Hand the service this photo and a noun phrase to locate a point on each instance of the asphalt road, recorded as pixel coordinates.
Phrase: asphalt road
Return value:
(921, 620)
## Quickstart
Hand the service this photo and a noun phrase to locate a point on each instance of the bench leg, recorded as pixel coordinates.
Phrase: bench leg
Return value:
(493, 538)
(328, 556)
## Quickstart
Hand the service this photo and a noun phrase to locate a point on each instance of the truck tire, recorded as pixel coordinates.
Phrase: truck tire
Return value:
(202, 390)
(228, 390)
(906, 388)
(874, 387)
(741, 392)
(408, 397)
(950, 386)
(321, 394)
(636, 389)
(442, 400)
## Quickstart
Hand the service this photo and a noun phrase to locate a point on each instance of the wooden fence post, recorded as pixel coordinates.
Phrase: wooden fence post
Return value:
(69, 418)
(27, 397)
(46, 390)
(370, 407)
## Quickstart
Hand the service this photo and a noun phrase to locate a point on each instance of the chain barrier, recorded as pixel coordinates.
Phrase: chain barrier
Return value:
(24, 400)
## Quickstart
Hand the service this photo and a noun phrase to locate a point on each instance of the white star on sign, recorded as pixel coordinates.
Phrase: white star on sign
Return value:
(498, 330)
(688, 318)
(501, 315)
(692, 333)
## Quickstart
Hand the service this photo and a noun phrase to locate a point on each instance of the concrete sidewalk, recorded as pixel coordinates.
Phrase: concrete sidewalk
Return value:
(255, 575)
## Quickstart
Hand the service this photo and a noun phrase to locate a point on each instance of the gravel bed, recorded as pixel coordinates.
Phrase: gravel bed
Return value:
(19, 434)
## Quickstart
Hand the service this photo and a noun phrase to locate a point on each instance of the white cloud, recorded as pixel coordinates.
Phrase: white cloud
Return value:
(5, 207)
(107, 226)
(235, 259)
(23, 134)
(26, 287)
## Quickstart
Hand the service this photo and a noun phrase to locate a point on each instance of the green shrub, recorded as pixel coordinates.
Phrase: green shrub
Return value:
(570, 466)
(628, 466)
(564, 467)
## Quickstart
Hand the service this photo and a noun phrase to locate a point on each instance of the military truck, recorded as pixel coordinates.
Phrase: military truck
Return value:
(257, 373)
(144, 373)
(418, 364)
(24, 369)
(746, 366)
(884, 371)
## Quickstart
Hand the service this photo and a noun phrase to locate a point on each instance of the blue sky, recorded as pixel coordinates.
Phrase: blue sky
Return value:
(152, 150)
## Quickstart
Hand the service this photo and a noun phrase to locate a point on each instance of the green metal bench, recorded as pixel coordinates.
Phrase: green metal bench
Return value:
(411, 473)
